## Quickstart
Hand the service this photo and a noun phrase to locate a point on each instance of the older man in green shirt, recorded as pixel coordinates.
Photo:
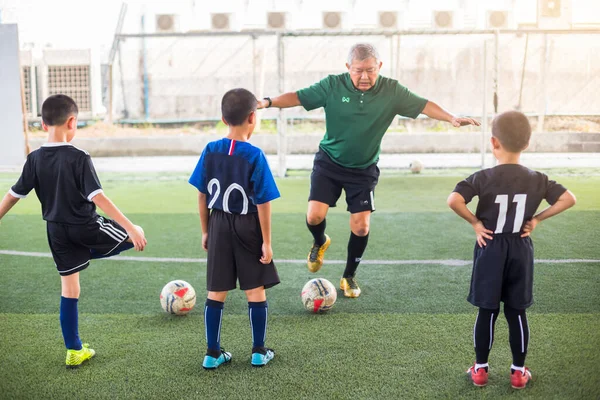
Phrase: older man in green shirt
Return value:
(359, 107)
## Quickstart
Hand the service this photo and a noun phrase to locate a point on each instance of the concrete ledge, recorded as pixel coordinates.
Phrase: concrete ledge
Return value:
(393, 143)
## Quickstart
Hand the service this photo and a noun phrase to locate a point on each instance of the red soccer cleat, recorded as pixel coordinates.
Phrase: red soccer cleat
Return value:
(519, 380)
(479, 376)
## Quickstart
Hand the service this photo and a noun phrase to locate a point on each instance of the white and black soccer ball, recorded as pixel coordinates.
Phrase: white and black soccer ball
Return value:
(178, 297)
(318, 295)
(416, 166)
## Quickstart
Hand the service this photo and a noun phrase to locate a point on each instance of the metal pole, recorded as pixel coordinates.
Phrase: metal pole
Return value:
(544, 86)
(111, 58)
(145, 74)
(523, 72)
(398, 38)
(122, 80)
(281, 139)
(496, 69)
(485, 100)
(391, 62)
(110, 94)
(254, 61)
(496, 75)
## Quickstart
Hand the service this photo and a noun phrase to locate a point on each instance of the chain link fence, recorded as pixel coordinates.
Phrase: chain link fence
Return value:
(183, 77)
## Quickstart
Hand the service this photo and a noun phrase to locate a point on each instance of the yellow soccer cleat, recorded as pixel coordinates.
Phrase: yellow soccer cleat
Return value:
(76, 357)
(316, 254)
(350, 287)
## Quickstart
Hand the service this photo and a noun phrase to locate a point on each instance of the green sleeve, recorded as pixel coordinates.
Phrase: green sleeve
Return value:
(407, 103)
(315, 96)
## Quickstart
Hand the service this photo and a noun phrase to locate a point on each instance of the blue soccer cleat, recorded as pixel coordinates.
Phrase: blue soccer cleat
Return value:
(211, 362)
(261, 357)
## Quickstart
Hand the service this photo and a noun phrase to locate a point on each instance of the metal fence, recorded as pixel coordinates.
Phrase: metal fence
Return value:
(181, 77)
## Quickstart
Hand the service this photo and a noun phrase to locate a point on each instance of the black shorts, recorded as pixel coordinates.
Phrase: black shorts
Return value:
(328, 179)
(73, 246)
(503, 271)
(234, 252)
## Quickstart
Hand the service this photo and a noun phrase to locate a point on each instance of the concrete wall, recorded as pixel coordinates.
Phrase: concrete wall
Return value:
(12, 149)
(308, 143)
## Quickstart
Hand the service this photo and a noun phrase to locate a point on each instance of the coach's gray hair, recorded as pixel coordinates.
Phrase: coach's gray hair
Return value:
(361, 52)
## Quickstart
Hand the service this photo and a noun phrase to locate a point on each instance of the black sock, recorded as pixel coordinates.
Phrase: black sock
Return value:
(356, 248)
(518, 334)
(483, 333)
(318, 232)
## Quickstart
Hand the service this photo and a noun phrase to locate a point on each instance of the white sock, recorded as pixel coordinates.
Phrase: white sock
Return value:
(514, 367)
(477, 366)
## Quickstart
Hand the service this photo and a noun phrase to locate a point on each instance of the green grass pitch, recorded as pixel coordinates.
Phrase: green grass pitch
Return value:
(408, 336)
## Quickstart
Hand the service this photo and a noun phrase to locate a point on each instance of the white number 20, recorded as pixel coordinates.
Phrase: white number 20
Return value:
(234, 186)
(502, 199)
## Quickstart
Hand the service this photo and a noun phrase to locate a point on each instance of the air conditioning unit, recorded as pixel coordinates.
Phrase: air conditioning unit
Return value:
(220, 21)
(550, 8)
(276, 20)
(29, 83)
(69, 72)
(388, 19)
(165, 23)
(497, 19)
(555, 14)
(332, 20)
(443, 19)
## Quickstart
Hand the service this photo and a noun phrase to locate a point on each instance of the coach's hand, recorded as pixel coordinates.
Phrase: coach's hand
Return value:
(267, 254)
(262, 104)
(481, 233)
(205, 241)
(529, 227)
(460, 121)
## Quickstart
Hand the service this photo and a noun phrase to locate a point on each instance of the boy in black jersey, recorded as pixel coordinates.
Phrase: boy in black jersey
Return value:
(509, 195)
(69, 190)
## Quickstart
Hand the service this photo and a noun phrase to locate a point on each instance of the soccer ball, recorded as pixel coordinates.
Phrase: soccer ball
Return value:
(178, 297)
(416, 167)
(318, 295)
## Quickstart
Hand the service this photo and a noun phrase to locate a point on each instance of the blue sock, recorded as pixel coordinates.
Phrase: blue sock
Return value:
(69, 323)
(213, 315)
(258, 322)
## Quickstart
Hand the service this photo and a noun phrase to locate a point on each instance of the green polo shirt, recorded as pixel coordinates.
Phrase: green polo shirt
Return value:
(356, 121)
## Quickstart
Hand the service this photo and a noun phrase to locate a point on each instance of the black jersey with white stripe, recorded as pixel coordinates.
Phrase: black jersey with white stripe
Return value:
(509, 195)
(64, 180)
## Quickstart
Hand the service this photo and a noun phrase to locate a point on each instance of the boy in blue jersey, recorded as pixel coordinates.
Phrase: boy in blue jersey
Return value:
(235, 182)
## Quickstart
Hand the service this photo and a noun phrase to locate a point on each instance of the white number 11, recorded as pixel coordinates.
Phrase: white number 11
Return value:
(502, 199)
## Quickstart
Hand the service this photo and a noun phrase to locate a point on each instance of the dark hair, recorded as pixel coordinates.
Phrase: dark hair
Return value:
(513, 131)
(57, 109)
(236, 105)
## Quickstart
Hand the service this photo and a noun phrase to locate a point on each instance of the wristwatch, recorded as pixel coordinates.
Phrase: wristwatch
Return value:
(269, 100)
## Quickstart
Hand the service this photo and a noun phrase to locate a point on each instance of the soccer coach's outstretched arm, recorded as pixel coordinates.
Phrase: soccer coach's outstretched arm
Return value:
(285, 100)
(434, 111)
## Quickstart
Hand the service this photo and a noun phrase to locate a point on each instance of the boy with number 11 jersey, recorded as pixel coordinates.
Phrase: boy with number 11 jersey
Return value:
(509, 196)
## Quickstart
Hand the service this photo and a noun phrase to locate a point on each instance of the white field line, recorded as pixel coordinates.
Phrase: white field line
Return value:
(449, 262)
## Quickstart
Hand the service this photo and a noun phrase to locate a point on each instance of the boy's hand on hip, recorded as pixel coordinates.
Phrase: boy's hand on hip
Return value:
(267, 254)
(529, 227)
(481, 233)
(137, 238)
(205, 241)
